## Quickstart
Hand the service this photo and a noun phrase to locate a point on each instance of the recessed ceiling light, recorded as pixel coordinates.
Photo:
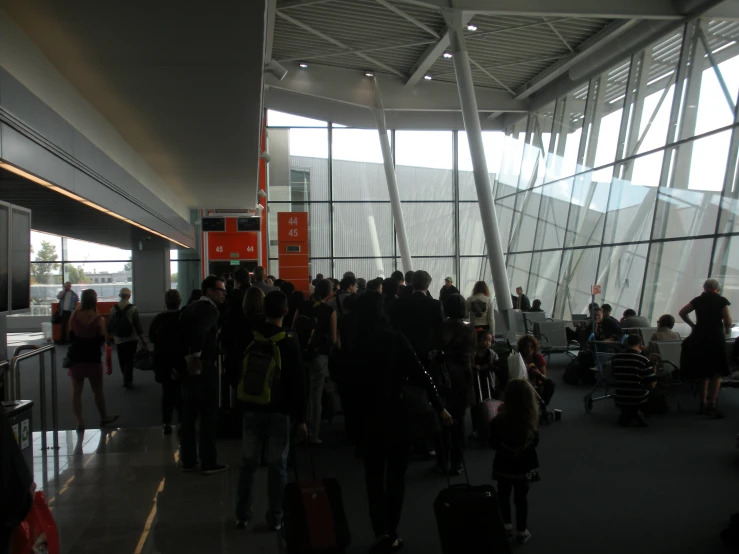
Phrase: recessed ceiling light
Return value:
(370, 74)
(427, 77)
(447, 55)
(471, 27)
(303, 65)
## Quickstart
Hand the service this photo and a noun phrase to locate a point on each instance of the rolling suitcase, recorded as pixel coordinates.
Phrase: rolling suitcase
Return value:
(314, 520)
(468, 519)
(487, 408)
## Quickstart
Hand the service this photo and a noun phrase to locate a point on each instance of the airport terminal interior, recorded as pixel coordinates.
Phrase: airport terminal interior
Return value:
(569, 152)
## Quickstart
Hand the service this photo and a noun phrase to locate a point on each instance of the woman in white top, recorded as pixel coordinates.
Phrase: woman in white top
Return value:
(480, 308)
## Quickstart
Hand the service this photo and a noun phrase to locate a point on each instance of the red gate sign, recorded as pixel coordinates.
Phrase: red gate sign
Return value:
(232, 246)
(293, 255)
(292, 227)
(595, 289)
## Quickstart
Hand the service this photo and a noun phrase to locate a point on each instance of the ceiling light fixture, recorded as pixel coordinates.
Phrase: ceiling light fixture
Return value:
(447, 55)
(65, 192)
(427, 77)
(472, 28)
(370, 74)
(303, 65)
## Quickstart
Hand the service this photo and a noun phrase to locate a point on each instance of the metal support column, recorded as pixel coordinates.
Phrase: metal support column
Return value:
(392, 182)
(471, 119)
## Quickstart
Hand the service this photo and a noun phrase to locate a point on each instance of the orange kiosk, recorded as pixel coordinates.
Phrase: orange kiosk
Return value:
(230, 241)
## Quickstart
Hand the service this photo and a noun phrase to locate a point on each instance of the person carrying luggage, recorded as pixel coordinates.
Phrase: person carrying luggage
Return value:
(514, 436)
(390, 376)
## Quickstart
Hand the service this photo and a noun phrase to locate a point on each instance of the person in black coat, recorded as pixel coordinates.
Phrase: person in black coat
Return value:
(383, 363)
(448, 289)
(514, 436)
(418, 316)
(520, 300)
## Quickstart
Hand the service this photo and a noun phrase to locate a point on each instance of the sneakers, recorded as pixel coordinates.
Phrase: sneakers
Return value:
(523, 536)
(189, 469)
(275, 528)
(713, 412)
(242, 523)
(218, 468)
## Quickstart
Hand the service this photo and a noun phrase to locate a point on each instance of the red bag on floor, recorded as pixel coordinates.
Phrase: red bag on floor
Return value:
(108, 359)
(37, 533)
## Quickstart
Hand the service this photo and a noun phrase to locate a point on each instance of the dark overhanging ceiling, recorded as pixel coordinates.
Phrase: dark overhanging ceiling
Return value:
(52, 212)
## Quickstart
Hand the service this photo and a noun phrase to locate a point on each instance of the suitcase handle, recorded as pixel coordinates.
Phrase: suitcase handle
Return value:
(446, 469)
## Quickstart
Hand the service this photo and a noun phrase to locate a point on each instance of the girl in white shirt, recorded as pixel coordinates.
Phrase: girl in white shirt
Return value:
(480, 308)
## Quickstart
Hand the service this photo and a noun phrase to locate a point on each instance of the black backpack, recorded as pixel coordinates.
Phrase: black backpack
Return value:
(312, 340)
(120, 325)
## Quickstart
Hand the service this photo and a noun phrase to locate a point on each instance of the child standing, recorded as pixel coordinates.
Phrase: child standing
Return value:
(483, 365)
(514, 436)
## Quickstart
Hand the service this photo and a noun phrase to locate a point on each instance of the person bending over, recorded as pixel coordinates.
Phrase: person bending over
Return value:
(536, 366)
(635, 376)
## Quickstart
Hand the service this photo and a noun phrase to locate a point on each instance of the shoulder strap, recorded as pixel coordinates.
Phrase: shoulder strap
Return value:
(277, 337)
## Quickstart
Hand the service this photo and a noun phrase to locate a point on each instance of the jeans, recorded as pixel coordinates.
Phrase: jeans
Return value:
(318, 368)
(171, 400)
(200, 401)
(450, 446)
(520, 491)
(272, 429)
(385, 465)
(126, 351)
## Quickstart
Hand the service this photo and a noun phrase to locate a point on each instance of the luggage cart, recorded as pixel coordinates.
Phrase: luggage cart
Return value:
(603, 370)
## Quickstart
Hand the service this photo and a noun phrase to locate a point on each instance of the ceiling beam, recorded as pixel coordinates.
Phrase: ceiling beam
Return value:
(432, 53)
(353, 87)
(269, 38)
(361, 117)
(320, 55)
(324, 36)
(613, 9)
(409, 17)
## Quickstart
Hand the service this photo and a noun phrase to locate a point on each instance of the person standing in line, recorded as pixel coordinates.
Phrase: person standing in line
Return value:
(324, 339)
(521, 301)
(87, 334)
(67, 302)
(448, 289)
(514, 436)
(361, 286)
(347, 287)
(261, 282)
(200, 383)
(455, 340)
(169, 357)
(480, 308)
(407, 288)
(125, 326)
(384, 362)
(703, 354)
(270, 423)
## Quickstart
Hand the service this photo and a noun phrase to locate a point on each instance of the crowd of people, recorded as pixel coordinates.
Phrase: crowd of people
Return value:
(390, 350)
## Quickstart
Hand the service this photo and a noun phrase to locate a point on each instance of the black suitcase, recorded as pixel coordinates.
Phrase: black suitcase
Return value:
(314, 520)
(468, 519)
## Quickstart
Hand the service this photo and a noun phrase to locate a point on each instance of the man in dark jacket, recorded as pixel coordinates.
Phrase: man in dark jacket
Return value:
(448, 289)
(270, 423)
(418, 316)
(169, 360)
(520, 300)
(200, 384)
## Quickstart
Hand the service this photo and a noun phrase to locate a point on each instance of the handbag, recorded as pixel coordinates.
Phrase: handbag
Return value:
(38, 532)
(144, 360)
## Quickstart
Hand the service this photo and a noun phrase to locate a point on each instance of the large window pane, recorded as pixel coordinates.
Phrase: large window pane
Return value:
(726, 268)
(439, 269)
(365, 268)
(621, 274)
(298, 170)
(524, 225)
(184, 271)
(510, 165)
(518, 267)
(676, 271)
(358, 170)
(430, 228)
(493, 142)
(471, 236)
(423, 161)
(107, 278)
(363, 230)
(82, 251)
(281, 119)
(543, 279)
(471, 271)
(568, 120)
(587, 211)
(577, 276)
(555, 205)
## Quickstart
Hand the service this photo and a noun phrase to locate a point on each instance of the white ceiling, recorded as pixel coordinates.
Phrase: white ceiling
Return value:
(180, 83)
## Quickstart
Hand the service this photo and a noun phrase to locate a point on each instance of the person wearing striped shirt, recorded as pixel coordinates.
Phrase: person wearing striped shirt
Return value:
(634, 375)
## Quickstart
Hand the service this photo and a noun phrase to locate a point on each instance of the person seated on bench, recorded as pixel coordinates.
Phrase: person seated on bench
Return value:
(665, 323)
(528, 347)
(634, 375)
(611, 328)
(630, 320)
(604, 332)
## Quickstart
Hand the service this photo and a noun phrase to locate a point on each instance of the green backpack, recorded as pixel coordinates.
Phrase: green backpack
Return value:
(262, 366)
